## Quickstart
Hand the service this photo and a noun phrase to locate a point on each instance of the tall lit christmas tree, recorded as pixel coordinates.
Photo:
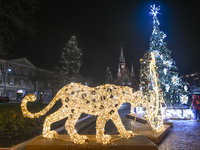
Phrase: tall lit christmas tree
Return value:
(71, 60)
(174, 89)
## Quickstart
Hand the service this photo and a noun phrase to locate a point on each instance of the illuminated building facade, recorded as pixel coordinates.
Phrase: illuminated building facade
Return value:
(19, 77)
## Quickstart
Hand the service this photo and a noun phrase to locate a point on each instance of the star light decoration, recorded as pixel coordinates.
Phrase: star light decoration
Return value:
(185, 88)
(156, 53)
(104, 101)
(165, 71)
(184, 99)
(154, 10)
(175, 80)
(167, 87)
(168, 63)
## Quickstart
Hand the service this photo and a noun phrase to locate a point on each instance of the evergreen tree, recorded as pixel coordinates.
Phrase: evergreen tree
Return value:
(71, 61)
(109, 78)
(172, 86)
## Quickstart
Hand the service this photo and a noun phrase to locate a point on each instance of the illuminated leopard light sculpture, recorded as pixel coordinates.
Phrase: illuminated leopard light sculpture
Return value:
(104, 101)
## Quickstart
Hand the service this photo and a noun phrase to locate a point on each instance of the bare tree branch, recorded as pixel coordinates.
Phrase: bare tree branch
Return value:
(16, 19)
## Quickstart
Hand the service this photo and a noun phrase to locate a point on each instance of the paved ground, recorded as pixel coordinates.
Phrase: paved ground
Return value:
(185, 135)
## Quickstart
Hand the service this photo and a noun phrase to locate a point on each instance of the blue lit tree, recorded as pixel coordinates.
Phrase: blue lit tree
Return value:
(174, 89)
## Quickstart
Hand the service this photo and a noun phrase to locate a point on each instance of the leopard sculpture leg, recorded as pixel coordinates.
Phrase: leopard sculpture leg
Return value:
(100, 125)
(120, 127)
(47, 133)
(70, 127)
(101, 121)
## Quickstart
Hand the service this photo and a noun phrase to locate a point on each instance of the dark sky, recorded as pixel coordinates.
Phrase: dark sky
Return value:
(102, 25)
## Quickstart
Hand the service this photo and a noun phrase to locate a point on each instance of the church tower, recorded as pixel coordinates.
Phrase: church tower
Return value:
(124, 76)
(122, 63)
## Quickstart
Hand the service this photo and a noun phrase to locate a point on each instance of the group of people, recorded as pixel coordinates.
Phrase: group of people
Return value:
(196, 107)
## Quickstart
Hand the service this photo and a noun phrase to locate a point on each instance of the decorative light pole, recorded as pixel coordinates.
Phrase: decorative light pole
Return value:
(4, 87)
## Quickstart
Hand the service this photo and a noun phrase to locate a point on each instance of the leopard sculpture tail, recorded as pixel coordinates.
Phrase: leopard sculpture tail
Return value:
(32, 98)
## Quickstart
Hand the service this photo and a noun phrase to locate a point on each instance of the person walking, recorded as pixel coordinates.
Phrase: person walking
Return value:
(196, 107)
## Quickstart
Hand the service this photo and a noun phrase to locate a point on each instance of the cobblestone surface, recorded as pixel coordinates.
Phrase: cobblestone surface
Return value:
(185, 135)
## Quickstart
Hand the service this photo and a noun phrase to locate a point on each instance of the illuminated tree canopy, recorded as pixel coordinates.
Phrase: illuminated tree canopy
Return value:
(174, 88)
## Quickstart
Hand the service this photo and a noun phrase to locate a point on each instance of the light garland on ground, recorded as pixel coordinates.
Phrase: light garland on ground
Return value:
(179, 113)
(170, 113)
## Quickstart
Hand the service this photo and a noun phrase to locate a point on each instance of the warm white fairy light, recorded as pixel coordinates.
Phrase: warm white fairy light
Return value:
(104, 101)
(154, 107)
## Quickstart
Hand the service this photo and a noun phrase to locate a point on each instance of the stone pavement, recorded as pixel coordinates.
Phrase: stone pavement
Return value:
(185, 135)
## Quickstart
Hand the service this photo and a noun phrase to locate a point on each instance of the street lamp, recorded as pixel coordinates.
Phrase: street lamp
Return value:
(4, 87)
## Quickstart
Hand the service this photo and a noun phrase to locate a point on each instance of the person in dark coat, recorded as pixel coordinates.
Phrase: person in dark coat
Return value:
(196, 108)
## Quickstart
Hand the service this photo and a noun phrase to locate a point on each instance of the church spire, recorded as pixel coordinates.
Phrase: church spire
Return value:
(132, 70)
(122, 58)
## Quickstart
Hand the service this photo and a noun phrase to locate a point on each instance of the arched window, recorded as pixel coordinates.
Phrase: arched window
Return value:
(126, 81)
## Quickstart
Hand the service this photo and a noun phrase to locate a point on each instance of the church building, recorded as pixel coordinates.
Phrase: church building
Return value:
(124, 76)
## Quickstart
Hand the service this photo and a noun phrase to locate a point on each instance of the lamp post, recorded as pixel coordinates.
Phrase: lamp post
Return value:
(4, 87)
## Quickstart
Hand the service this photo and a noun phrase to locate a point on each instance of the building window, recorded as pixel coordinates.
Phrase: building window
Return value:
(29, 83)
(194, 74)
(12, 81)
(2, 67)
(36, 84)
(21, 82)
(22, 71)
(30, 73)
(13, 69)
(1, 80)
(10, 94)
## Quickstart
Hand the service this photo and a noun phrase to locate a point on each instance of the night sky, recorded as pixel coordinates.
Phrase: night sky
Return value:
(102, 25)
